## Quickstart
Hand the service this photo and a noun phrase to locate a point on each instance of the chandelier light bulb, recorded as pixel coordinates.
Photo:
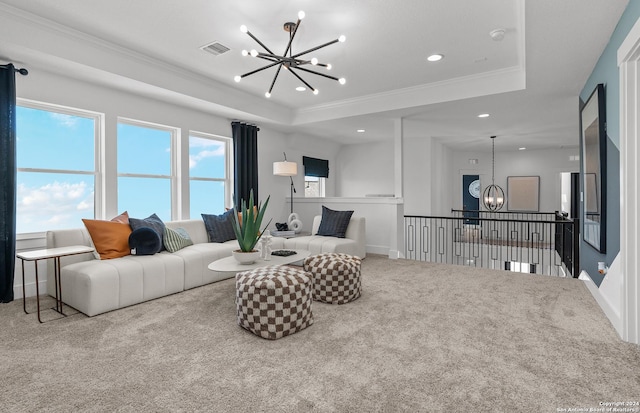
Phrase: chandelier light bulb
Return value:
(342, 80)
(237, 79)
(254, 52)
(301, 15)
(315, 91)
(267, 94)
(245, 53)
(314, 61)
(342, 38)
(243, 29)
(329, 66)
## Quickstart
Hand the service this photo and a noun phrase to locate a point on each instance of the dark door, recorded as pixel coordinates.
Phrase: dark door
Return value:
(471, 198)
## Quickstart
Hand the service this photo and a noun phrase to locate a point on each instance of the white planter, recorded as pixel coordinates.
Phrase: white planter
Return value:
(246, 257)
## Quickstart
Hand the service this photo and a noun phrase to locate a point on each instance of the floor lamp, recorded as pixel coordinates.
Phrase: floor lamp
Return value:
(286, 168)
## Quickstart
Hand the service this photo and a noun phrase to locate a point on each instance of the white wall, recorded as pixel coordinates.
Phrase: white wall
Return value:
(547, 164)
(365, 169)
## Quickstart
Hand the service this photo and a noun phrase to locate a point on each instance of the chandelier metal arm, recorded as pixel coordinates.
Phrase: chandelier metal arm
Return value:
(274, 82)
(282, 59)
(270, 59)
(295, 30)
(301, 79)
(261, 69)
(313, 49)
(259, 42)
(318, 73)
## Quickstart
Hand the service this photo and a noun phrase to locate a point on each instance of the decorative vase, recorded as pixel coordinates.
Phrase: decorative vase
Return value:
(246, 258)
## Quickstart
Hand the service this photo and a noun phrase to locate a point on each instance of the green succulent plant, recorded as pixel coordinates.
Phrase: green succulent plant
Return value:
(248, 230)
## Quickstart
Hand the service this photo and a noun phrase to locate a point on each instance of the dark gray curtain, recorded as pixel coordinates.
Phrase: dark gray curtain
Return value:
(245, 155)
(7, 181)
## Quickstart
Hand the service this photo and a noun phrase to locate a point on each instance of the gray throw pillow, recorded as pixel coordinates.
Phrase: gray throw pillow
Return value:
(153, 222)
(334, 223)
(220, 227)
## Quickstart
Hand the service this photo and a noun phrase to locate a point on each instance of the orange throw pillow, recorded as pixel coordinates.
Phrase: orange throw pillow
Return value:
(110, 238)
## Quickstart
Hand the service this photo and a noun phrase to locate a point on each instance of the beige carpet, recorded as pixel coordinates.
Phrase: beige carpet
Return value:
(422, 338)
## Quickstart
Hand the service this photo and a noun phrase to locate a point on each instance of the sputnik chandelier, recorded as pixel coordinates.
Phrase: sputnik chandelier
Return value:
(288, 59)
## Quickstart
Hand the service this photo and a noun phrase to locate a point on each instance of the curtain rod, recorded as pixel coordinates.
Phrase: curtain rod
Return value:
(22, 70)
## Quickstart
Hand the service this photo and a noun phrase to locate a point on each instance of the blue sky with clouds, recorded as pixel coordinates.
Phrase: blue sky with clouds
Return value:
(50, 200)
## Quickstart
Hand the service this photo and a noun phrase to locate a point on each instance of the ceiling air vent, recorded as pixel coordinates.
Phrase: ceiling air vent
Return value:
(215, 48)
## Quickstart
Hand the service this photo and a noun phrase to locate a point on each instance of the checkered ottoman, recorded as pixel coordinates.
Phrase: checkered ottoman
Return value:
(336, 277)
(275, 301)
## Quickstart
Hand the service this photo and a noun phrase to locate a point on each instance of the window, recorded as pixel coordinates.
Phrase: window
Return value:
(313, 187)
(209, 172)
(56, 166)
(315, 173)
(145, 169)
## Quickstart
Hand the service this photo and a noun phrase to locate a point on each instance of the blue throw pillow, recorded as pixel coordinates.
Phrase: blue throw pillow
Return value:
(334, 223)
(145, 241)
(153, 222)
(220, 227)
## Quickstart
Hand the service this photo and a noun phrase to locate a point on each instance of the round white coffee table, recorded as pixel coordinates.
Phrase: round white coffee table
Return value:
(229, 264)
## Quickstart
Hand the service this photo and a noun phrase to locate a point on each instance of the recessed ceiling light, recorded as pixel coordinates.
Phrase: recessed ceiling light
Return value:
(360, 131)
(522, 149)
(483, 115)
(301, 88)
(435, 57)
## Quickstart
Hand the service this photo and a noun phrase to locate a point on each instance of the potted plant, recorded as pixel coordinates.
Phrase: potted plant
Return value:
(246, 225)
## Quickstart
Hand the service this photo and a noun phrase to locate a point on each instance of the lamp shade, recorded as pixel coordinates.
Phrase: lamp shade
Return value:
(285, 168)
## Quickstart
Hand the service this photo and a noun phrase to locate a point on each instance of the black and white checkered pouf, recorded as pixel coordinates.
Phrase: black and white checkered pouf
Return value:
(275, 301)
(336, 277)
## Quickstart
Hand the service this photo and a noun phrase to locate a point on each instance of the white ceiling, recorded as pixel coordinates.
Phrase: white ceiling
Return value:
(528, 82)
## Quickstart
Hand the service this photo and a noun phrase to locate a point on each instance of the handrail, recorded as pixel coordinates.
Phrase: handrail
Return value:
(487, 219)
(540, 246)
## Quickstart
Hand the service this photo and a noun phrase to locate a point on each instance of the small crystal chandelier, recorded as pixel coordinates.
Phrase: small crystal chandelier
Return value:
(493, 196)
(290, 61)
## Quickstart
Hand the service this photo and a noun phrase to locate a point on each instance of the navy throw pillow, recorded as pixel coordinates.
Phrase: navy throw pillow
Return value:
(145, 241)
(334, 223)
(220, 227)
(153, 222)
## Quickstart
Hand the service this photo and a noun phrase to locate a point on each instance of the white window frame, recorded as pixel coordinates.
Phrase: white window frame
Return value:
(228, 179)
(321, 186)
(173, 159)
(99, 136)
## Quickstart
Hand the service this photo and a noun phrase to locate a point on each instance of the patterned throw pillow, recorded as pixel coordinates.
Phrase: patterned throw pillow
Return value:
(176, 239)
(334, 223)
(219, 227)
(153, 222)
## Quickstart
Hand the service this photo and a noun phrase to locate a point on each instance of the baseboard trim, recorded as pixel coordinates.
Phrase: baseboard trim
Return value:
(614, 316)
(30, 289)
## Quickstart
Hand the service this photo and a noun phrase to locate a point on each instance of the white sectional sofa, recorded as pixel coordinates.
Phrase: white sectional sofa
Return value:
(95, 286)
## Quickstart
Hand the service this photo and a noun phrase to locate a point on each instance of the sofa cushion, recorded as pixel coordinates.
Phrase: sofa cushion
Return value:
(154, 222)
(334, 223)
(220, 227)
(144, 241)
(110, 239)
(176, 239)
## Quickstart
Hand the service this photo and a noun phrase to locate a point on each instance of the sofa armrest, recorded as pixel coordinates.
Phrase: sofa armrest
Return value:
(355, 231)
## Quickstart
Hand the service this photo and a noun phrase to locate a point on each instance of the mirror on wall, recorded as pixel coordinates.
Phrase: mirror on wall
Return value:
(594, 166)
